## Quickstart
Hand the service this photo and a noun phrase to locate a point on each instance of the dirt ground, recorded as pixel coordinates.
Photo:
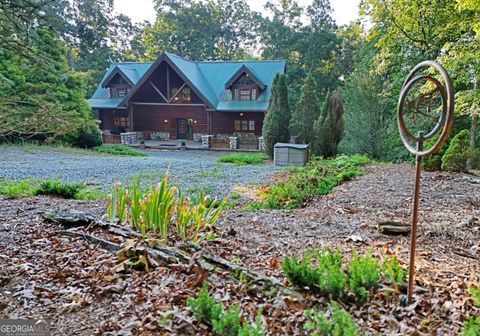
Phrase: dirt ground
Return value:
(69, 282)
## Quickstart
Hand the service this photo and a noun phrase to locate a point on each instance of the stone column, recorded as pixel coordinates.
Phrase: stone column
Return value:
(206, 141)
(261, 144)
(233, 143)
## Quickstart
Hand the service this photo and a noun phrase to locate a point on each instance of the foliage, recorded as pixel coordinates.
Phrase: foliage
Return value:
(162, 205)
(202, 30)
(224, 322)
(229, 322)
(455, 157)
(433, 162)
(32, 187)
(471, 326)
(475, 293)
(326, 275)
(305, 113)
(59, 188)
(318, 177)
(368, 113)
(328, 128)
(393, 271)
(339, 323)
(89, 136)
(275, 124)
(363, 275)
(38, 98)
(117, 149)
(204, 307)
(240, 159)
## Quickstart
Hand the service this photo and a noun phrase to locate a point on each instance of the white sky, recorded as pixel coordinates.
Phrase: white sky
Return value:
(140, 10)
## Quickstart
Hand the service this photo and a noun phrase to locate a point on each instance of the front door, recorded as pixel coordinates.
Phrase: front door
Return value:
(181, 128)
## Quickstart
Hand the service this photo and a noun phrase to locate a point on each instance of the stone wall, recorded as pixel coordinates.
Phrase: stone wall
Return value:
(129, 138)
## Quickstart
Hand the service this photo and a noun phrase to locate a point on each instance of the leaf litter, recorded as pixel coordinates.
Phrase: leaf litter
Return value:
(75, 284)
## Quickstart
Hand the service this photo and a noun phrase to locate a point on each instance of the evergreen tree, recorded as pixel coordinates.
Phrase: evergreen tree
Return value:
(275, 125)
(42, 99)
(305, 113)
(328, 128)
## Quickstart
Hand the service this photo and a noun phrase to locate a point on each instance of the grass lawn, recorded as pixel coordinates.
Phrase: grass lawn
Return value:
(243, 158)
(318, 177)
(52, 187)
(116, 149)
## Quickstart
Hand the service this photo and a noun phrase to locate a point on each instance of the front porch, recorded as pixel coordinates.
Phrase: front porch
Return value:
(232, 143)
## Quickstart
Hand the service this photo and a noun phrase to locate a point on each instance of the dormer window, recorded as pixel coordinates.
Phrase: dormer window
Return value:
(122, 92)
(245, 85)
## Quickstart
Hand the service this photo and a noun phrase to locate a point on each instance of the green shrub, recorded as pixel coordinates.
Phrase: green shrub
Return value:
(433, 162)
(229, 322)
(455, 158)
(204, 307)
(224, 322)
(340, 323)
(471, 327)
(326, 276)
(116, 149)
(19, 188)
(59, 188)
(34, 187)
(318, 177)
(392, 271)
(89, 136)
(243, 158)
(475, 293)
(363, 275)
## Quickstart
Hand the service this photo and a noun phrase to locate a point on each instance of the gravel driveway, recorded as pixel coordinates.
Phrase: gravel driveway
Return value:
(191, 168)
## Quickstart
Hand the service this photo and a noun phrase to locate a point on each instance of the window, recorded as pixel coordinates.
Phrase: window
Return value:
(254, 94)
(237, 125)
(122, 92)
(235, 94)
(120, 121)
(183, 96)
(244, 125)
(245, 94)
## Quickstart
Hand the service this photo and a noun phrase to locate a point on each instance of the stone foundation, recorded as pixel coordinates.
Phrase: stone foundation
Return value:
(206, 141)
(261, 144)
(129, 138)
(233, 143)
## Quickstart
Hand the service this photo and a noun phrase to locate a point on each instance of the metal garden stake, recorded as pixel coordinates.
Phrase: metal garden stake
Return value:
(442, 126)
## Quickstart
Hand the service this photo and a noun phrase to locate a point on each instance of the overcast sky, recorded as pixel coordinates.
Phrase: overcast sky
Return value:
(140, 10)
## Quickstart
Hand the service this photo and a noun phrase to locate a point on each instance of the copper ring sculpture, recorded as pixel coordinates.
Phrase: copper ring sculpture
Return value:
(442, 125)
(445, 119)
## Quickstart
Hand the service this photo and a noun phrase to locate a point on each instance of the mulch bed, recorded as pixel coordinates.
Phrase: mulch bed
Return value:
(68, 280)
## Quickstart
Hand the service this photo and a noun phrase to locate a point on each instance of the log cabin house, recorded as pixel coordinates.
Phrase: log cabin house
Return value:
(176, 98)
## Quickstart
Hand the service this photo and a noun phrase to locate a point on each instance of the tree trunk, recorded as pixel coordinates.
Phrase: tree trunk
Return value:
(473, 136)
(473, 142)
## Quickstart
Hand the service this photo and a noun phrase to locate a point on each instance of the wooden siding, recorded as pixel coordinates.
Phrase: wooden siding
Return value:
(151, 118)
(106, 117)
(224, 122)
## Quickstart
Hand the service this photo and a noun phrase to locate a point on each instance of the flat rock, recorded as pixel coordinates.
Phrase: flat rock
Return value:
(394, 228)
(70, 217)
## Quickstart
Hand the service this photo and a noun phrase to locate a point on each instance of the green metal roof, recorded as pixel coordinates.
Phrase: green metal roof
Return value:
(207, 77)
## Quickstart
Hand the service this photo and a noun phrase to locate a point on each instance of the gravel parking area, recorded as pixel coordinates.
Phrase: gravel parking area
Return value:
(190, 168)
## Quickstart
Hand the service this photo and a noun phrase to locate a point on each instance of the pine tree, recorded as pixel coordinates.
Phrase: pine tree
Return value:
(328, 128)
(306, 113)
(275, 125)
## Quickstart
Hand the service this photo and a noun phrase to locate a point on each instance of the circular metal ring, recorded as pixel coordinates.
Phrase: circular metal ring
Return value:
(445, 119)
